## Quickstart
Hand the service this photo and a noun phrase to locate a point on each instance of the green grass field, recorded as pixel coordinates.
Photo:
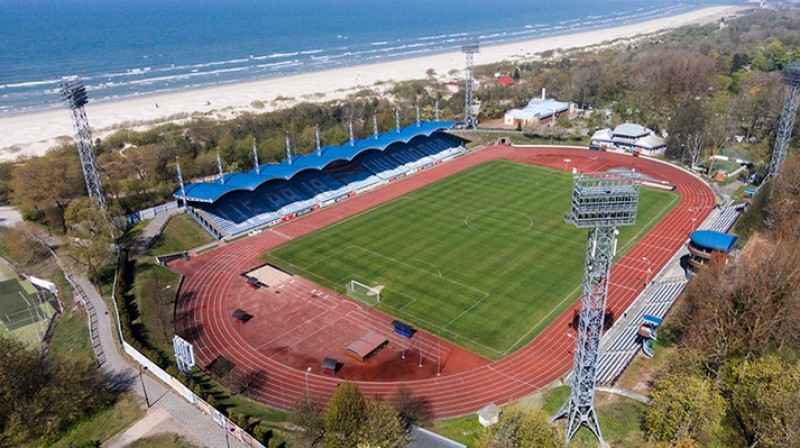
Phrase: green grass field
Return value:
(482, 258)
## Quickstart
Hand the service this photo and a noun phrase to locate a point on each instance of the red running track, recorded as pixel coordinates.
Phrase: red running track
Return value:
(202, 319)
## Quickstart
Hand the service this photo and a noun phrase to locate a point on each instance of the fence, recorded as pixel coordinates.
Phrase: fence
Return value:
(151, 212)
(218, 417)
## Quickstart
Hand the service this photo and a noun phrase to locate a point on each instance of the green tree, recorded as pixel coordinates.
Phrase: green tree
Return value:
(765, 397)
(45, 186)
(383, 426)
(520, 428)
(685, 406)
(347, 410)
(40, 396)
(91, 238)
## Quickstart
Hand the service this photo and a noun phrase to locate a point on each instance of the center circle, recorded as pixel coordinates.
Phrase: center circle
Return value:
(498, 221)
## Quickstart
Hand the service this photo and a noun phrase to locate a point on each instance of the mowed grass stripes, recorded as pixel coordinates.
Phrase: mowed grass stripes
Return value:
(482, 258)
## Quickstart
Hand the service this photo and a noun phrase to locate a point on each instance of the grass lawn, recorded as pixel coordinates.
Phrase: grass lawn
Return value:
(156, 311)
(103, 425)
(181, 233)
(620, 421)
(482, 258)
(71, 338)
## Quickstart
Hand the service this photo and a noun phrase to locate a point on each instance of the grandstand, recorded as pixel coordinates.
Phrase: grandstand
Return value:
(272, 193)
(619, 352)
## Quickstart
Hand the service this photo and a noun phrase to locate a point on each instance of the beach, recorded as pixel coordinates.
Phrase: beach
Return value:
(33, 134)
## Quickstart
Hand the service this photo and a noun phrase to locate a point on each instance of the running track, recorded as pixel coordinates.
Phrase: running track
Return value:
(201, 318)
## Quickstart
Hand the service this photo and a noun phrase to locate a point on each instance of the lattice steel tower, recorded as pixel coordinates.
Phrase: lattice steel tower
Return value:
(73, 93)
(469, 48)
(791, 77)
(600, 203)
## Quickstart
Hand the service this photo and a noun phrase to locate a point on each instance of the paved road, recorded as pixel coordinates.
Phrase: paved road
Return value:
(198, 427)
(195, 422)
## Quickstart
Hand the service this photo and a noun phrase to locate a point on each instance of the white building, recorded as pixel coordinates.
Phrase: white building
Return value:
(633, 137)
(538, 110)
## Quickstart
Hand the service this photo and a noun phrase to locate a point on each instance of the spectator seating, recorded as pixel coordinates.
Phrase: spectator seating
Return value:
(619, 352)
(352, 174)
(384, 167)
(322, 187)
(277, 199)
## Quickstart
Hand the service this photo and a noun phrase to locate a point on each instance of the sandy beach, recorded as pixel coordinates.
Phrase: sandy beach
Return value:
(33, 134)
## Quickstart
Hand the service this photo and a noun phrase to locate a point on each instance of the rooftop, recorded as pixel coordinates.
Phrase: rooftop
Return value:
(712, 240)
(211, 191)
(539, 108)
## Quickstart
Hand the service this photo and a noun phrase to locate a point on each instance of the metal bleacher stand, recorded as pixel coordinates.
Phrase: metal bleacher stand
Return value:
(620, 345)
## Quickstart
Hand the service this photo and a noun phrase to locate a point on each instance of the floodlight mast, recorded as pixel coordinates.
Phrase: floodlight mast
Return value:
(73, 93)
(791, 77)
(600, 203)
(469, 47)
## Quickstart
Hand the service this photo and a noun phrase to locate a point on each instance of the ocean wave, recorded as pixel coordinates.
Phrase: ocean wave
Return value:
(17, 85)
(442, 36)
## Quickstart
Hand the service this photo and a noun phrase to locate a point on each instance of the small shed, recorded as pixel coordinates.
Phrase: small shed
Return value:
(242, 316)
(329, 366)
(488, 415)
(365, 346)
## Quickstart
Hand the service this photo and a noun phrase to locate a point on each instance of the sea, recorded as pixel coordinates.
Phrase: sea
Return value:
(127, 48)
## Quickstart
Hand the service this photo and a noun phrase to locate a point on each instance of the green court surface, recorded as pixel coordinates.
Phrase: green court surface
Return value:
(482, 258)
(22, 316)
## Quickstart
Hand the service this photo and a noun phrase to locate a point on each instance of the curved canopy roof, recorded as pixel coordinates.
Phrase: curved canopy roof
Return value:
(712, 240)
(211, 191)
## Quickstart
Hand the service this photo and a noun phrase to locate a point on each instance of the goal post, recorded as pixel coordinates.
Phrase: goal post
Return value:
(370, 295)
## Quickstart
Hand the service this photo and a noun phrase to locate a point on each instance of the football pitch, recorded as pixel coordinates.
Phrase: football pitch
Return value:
(482, 258)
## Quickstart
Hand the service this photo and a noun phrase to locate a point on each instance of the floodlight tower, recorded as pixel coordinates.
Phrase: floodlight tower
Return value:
(469, 47)
(791, 77)
(73, 93)
(600, 203)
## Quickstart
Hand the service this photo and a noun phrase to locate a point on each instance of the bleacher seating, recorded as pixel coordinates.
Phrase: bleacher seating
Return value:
(727, 218)
(322, 187)
(352, 174)
(240, 211)
(619, 352)
(408, 157)
(384, 167)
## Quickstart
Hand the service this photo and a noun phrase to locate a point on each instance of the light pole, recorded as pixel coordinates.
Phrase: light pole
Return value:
(649, 270)
(141, 380)
(308, 394)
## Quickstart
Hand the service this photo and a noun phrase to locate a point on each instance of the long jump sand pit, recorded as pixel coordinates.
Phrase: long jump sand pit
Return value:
(269, 275)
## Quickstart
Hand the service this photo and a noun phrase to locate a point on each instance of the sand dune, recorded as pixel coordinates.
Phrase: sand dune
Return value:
(33, 134)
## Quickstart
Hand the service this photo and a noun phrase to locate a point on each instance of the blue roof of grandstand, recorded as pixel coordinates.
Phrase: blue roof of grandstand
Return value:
(211, 191)
(712, 240)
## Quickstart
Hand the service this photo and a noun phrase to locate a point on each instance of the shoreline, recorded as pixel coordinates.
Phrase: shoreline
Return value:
(32, 134)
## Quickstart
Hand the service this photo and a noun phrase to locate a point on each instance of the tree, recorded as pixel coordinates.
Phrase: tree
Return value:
(41, 396)
(91, 237)
(413, 410)
(685, 406)
(519, 428)
(23, 245)
(383, 426)
(346, 411)
(765, 397)
(159, 298)
(44, 186)
(307, 412)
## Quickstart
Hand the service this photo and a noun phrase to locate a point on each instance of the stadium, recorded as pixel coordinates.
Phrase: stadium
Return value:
(461, 274)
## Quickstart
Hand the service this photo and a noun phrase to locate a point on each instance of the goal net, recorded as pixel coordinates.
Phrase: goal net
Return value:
(371, 295)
